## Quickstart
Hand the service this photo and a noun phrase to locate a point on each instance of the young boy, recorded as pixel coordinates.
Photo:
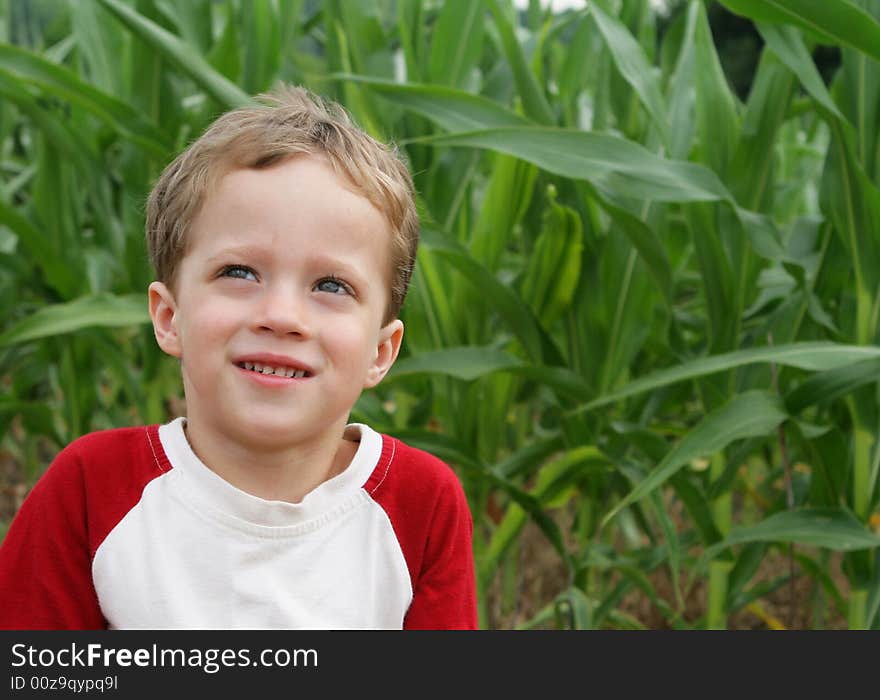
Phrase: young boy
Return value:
(283, 239)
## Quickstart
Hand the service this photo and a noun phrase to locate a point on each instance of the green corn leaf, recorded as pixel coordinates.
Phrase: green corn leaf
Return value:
(36, 416)
(758, 591)
(179, 54)
(410, 15)
(548, 525)
(561, 380)
(813, 356)
(431, 317)
(466, 363)
(527, 458)
(366, 37)
(98, 42)
(717, 121)
(553, 477)
(746, 565)
(511, 180)
(574, 73)
(751, 414)
(873, 606)
(852, 203)
(450, 108)
(789, 47)
(290, 21)
(225, 56)
(57, 131)
(55, 267)
(262, 50)
(857, 91)
(823, 577)
(617, 166)
(562, 472)
(630, 59)
(836, 22)
(574, 610)
(832, 384)
(608, 162)
(453, 451)
(85, 312)
(673, 541)
(60, 82)
(614, 166)
(357, 43)
(680, 91)
(534, 102)
(698, 505)
(192, 19)
(832, 528)
(751, 173)
(828, 455)
(429, 288)
(473, 362)
(515, 312)
(644, 241)
(457, 42)
(446, 448)
(717, 275)
(469, 363)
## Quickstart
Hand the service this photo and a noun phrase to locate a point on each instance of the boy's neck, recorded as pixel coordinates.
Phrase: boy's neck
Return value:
(274, 475)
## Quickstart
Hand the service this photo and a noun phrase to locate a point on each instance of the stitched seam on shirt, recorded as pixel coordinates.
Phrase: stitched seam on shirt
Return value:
(153, 450)
(388, 468)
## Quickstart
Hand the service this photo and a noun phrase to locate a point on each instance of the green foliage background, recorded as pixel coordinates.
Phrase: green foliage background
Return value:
(638, 293)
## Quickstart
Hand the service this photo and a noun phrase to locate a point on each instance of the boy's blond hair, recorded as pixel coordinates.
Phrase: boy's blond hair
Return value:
(288, 121)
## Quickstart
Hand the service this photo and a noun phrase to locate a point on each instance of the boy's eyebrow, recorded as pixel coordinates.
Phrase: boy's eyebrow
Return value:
(260, 253)
(247, 251)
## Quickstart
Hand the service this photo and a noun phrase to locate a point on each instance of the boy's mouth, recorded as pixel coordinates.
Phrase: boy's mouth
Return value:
(279, 371)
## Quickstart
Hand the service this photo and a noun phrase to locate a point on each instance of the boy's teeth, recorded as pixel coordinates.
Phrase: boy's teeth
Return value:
(288, 372)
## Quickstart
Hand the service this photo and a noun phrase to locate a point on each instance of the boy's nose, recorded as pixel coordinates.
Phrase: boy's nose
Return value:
(283, 311)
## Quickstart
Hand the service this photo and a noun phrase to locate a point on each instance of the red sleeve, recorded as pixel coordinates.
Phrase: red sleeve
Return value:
(45, 563)
(46, 556)
(430, 515)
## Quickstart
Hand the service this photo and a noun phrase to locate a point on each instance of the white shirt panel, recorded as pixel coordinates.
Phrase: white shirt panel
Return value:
(198, 553)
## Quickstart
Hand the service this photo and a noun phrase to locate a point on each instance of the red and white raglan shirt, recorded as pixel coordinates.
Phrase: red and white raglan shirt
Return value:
(128, 529)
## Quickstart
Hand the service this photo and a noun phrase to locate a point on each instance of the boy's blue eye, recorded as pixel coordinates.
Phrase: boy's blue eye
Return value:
(331, 285)
(238, 271)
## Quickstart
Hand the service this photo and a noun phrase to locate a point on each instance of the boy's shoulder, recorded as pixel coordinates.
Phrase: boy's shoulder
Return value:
(418, 458)
(103, 448)
(112, 462)
(413, 473)
(429, 512)
(95, 480)
(108, 437)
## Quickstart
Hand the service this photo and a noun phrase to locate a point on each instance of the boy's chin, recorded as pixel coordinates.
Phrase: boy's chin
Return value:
(272, 434)
(268, 434)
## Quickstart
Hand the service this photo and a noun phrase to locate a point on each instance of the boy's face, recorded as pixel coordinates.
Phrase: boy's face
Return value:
(278, 307)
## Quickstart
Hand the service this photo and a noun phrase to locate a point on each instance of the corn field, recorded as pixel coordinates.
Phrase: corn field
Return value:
(643, 323)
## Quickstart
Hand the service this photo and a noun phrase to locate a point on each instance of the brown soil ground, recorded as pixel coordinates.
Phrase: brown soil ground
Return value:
(541, 576)
(12, 489)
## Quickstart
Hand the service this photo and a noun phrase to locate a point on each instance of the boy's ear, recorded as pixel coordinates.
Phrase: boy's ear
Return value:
(390, 337)
(163, 312)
